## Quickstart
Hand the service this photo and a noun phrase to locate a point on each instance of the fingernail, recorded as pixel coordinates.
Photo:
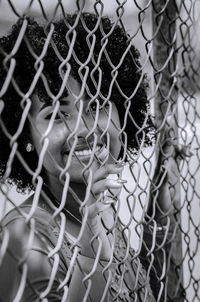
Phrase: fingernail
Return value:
(120, 164)
(108, 201)
(118, 181)
(169, 119)
(121, 181)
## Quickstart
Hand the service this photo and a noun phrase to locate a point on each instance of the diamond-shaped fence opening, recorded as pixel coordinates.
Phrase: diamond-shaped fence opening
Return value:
(99, 157)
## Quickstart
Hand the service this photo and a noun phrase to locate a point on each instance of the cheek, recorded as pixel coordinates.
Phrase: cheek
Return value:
(55, 141)
(36, 138)
(115, 143)
(114, 130)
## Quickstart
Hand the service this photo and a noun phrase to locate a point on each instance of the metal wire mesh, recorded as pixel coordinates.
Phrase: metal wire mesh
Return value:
(143, 243)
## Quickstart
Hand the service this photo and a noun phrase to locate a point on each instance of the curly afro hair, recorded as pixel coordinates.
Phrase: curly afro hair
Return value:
(129, 84)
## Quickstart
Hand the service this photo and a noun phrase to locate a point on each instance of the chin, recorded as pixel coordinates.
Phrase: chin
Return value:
(77, 181)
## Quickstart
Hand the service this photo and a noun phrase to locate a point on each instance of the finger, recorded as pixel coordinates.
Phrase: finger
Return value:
(183, 151)
(102, 185)
(105, 170)
(172, 172)
(99, 207)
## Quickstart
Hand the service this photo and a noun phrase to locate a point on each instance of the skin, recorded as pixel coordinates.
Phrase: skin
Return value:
(57, 156)
(54, 162)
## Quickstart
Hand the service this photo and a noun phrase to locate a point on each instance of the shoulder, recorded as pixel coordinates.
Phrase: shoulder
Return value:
(24, 222)
(30, 220)
(25, 247)
(25, 211)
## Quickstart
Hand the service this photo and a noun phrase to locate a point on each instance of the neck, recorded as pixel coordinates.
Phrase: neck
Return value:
(75, 191)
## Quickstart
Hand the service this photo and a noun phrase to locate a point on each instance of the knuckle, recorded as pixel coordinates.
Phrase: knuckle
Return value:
(108, 169)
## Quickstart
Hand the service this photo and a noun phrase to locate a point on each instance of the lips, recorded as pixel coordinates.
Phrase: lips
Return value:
(84, 152)
(101, 153)
(83, 146)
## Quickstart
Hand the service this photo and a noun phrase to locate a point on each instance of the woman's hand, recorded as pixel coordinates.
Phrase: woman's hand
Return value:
(165, 185)
(103, 193)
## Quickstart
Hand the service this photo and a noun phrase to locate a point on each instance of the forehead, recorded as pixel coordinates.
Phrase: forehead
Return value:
(73, 89)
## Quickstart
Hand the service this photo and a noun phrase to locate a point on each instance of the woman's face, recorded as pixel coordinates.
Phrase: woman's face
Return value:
(58, 132)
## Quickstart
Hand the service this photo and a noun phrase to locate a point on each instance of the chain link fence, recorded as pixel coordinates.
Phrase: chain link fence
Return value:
(147, 248)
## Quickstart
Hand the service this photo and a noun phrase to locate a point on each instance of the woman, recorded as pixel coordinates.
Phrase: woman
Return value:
(66, 243)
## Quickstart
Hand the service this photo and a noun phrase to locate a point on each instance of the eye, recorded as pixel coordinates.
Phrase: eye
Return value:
(58, 116)
(93, 106)
(66, 115)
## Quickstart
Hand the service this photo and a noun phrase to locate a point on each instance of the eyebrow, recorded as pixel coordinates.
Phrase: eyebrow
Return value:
(48, 104)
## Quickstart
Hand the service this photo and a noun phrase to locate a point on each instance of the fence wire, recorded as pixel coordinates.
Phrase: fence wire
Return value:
(107, 168)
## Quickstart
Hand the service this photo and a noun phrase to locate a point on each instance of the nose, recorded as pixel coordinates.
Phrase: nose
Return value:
(86, 125)
(85, 120)
(81, 123)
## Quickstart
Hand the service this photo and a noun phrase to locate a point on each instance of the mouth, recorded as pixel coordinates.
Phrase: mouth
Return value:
(100, 151)
(87, 152)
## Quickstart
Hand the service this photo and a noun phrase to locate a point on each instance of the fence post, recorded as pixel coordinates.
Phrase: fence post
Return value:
(166, 96)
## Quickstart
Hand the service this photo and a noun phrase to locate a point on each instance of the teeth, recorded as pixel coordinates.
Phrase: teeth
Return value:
(102, 148)
(103, 153)
(86, 152)
(98, 148)
(83, 152)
